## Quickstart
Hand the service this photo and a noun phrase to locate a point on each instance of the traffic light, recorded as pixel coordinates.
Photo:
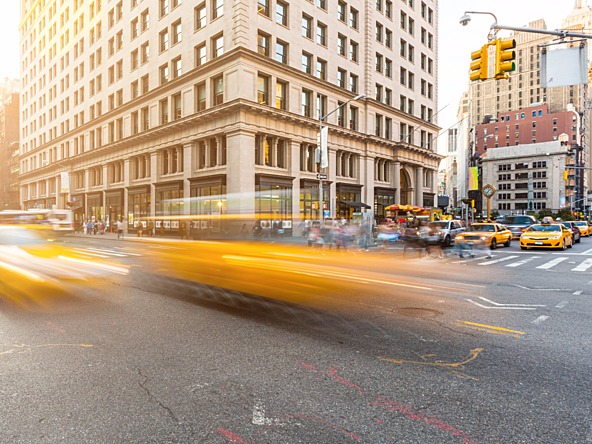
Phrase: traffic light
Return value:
(472, 203)
(504, 57)
(565, 175)
(479, 64)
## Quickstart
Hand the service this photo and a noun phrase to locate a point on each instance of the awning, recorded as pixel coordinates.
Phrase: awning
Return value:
(355, 204)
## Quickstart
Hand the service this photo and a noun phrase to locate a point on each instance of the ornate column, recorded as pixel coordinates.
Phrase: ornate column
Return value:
(418, 186)
(397, 180)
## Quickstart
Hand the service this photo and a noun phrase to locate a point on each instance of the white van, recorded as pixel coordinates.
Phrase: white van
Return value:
(61, 221)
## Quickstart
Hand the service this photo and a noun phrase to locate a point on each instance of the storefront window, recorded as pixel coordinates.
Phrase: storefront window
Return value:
(273, 207)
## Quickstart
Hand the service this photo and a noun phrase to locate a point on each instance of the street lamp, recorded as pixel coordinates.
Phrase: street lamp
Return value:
(323, 158)
(466, 18)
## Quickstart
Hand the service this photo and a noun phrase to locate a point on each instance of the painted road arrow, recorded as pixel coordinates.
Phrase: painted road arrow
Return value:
(496, 305)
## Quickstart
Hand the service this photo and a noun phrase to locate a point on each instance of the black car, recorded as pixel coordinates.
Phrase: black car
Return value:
(517, 224)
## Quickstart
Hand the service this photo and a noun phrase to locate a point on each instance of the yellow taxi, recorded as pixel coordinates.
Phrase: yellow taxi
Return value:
(546, 235)
(489, 234)
(585, 228)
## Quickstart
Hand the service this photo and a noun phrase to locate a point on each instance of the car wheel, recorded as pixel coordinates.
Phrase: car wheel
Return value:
(507, 244)
(578, 240)
(493, 244)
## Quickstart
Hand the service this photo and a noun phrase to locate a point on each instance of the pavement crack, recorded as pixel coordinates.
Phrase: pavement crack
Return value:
(143, 384)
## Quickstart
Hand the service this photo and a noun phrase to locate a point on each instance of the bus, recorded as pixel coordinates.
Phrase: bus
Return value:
(59, 220)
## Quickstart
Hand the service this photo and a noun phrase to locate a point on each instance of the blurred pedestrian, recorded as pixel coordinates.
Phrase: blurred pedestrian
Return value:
(120, 229)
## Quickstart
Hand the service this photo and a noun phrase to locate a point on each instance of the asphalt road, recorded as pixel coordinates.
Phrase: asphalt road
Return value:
(411, 350)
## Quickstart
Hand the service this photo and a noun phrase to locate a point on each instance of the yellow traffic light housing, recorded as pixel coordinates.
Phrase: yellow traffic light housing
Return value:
(479, 64)
(504, 58)
(565, 175)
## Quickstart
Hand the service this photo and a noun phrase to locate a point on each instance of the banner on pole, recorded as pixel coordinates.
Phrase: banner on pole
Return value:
(323, 142)
(473, 178)
(65, 183)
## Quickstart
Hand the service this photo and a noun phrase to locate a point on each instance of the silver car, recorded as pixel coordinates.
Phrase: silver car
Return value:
(448, 229)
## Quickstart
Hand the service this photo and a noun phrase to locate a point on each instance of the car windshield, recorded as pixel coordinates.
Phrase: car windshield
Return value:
(581, 224)
(545, 228)
(439, 224)
(489, 228)
(523, 220)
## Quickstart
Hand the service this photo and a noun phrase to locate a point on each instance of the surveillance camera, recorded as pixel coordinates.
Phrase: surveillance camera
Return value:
(465, 19)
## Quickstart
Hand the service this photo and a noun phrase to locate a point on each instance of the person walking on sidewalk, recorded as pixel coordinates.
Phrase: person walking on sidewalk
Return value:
(120, 229)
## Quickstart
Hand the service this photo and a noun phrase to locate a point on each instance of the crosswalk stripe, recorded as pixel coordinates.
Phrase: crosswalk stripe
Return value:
(503, 259)
(522, 262)
(583, 266)
(552, 263)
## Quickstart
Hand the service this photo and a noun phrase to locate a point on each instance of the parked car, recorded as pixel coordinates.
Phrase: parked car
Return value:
(517, 224)
(448, 230)
(576, 234)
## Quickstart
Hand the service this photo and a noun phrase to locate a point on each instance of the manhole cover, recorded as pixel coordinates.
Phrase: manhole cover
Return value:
(415, 312)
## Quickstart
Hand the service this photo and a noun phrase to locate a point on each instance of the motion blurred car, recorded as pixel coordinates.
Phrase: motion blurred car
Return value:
(576, 234)
(490, 234)
(584, 227)
(448, 230)
(546, 235)
(33, 266)
(517, 224)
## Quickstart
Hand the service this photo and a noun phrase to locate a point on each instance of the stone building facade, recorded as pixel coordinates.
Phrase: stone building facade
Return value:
(161, 108)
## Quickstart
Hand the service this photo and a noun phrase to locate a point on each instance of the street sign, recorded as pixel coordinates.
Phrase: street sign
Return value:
(321, 176)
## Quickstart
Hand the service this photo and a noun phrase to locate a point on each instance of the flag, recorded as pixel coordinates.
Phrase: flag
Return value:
(473, 178)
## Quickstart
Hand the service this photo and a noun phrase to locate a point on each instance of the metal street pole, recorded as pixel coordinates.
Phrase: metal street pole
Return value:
(323, 160)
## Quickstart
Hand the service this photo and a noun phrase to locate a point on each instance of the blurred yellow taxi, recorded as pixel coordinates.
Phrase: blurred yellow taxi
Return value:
(585, 229)
(546, 235)
(489, 234)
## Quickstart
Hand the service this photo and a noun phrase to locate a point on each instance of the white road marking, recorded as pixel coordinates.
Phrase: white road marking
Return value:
(463, 261)
(562, 304)
(587, 252)
(500, 308)
(540, 319)
(552, 263)
(541, 289)
(497, 260)
(583, 266)
(511, 305)
(577, 293)
(522, 262)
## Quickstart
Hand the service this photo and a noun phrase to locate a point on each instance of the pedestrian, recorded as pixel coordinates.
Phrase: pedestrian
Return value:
(150, 228)
(244, 232)
(257, 231)
(90, 227)
(120, 229)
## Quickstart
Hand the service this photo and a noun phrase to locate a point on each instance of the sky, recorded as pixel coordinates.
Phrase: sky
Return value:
(456, 42)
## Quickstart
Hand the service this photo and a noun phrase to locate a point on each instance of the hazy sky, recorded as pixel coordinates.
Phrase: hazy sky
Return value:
(457, 41)
(9, 38)
(455, 45)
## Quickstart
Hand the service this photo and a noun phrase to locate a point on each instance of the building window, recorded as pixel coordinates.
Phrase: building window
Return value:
(164, 73)
(177, 106)
(307, 26)
(177, 67)
(281, 91)
(353, 51)
(341, 44)
(281, 13)
(306, 103)
(200, 54)
(163, 7)
(263, 89)
(353, 118)
(321, 69)
(163, 107)
(341, 11)
(263, 44)
(353, 83)
(263, 7)
(217, 8)
(200, 16)
(321, 34)
(163, 40)
(341, 78)
(200, 97)
(218, 46)
(306, 63)
(281, 52)
(177, 33)
(353, 18)
(218, 89)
